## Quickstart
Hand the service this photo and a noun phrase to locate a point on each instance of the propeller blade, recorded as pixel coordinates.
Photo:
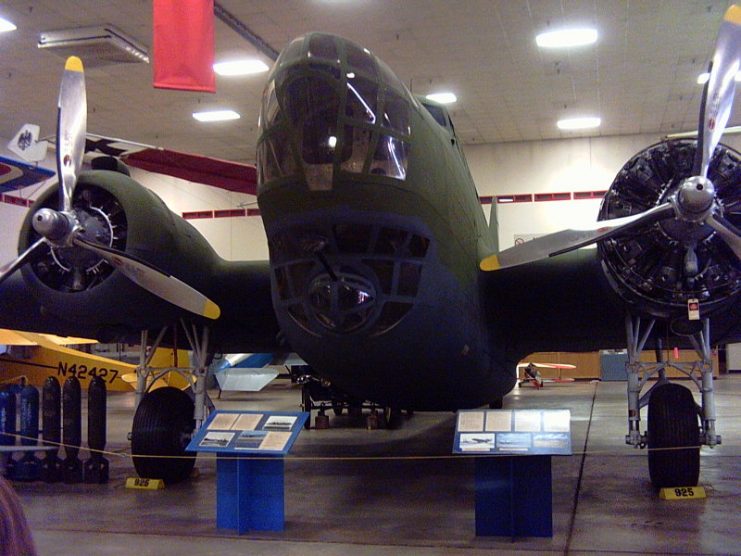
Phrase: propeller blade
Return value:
(567, 240)
(730, 234)
(717, 98)
(71, 128)
(155, 281)
(9, 268)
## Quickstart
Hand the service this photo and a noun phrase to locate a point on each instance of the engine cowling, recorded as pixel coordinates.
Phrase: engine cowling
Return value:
(75, 284)
(658, 268)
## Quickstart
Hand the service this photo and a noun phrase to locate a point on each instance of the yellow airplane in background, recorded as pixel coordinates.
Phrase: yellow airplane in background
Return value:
(48, 355)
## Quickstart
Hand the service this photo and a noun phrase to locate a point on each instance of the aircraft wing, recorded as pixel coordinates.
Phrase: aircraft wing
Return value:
(566, 303)
(19, 338)
(16, 175)
(224, 174)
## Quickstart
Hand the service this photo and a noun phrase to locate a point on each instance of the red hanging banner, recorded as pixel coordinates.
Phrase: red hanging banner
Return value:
(183, 45)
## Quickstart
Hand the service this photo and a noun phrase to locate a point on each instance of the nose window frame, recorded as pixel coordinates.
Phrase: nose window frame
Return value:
(354, 117)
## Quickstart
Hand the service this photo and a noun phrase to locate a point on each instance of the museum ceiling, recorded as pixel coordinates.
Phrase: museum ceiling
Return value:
(640, 76)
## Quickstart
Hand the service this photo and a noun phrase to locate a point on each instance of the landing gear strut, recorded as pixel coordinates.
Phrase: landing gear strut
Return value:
(674, 435)
(165, 418)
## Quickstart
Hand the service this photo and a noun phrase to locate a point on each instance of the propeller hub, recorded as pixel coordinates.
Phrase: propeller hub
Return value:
(695, 198)
(52, 224)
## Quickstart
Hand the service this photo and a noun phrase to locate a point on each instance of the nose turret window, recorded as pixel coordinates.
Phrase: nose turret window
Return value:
(342, 304)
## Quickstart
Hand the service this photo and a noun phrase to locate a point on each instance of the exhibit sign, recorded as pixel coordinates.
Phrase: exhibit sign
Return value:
(267, 433)
(513, 431)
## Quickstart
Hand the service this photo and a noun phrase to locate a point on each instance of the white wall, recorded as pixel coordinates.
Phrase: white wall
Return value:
(233, 238)
(585, 164)
(556, 166)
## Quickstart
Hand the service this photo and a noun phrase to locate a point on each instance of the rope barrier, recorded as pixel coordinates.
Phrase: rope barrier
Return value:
(211, 456)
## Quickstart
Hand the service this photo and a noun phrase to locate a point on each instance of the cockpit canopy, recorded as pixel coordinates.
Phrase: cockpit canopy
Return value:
(330, 108)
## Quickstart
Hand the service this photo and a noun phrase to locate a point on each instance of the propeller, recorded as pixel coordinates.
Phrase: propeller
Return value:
(61, 229)
(693, 202)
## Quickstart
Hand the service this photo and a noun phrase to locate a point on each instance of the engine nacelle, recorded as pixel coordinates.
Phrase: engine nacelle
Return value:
(73, 283)
(659, 267)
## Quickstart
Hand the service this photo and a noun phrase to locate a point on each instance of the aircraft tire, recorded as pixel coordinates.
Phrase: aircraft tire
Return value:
(672, 423)
(163, 424)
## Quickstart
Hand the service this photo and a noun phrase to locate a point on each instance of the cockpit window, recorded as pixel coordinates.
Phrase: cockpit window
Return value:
(323, 46)
(356, 143)
(390, 158)
(437, 113)
(362, 97)
(396, 112)
(292, 52)
(333, 115)
(312, 105)
(275, 156)
(360, 59)
(389, 77)
(270, 106)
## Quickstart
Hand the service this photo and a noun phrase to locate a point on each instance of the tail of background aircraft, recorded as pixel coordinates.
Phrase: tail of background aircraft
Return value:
(26, 144)
(494, 225)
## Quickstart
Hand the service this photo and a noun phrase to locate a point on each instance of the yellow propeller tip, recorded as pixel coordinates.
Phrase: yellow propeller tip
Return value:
(490, 263)
(733, 14)
(73, 64)
(211, 310)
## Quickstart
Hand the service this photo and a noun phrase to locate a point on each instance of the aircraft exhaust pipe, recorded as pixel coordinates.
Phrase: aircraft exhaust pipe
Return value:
(51, 409)
(96, 467)
(71, 430)
(7, 428)
(29, 466)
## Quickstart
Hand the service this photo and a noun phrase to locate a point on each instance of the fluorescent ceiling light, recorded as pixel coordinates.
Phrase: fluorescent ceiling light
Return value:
(578, 123)
(442, 98)
(703, 78)
(565, 38)
(240, 67)
(216, 115)
(6, 25)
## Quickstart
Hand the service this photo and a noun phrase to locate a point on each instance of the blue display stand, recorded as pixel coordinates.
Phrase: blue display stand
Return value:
(513, 471)
(514, 496)
(249, 447)
(250, 494)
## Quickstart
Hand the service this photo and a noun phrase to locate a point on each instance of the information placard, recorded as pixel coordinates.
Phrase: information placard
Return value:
(513, 431)
(249, 432)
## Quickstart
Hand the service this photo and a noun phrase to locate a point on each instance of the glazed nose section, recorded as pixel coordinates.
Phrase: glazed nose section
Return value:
(331, 107)
(342, 304)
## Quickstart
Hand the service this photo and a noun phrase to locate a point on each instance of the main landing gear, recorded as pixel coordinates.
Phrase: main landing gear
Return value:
(318, 394)
(677, 426)
(166, 417)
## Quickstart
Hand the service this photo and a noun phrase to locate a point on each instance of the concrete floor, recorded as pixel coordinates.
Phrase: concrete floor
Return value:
(602, 498)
